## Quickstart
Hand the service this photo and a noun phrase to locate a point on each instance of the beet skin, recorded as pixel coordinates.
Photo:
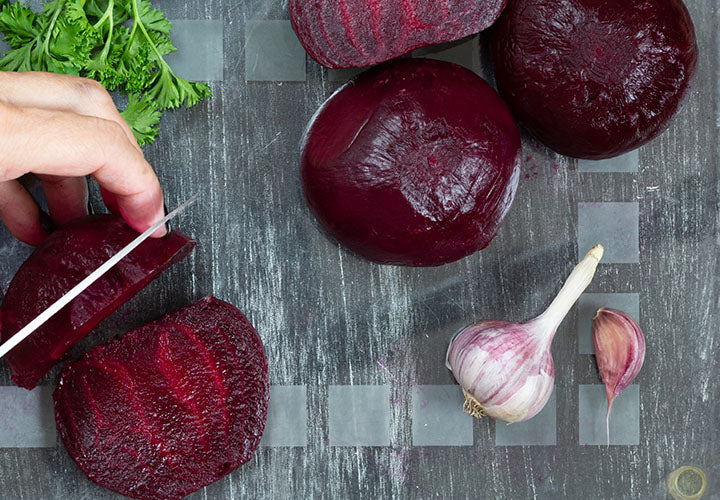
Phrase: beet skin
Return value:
(594, 78)
(354, 33)
(414, 162)
(62, 261)
(170, 407)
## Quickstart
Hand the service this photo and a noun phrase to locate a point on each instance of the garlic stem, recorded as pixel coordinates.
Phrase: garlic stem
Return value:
(506, 369)
(574, 286)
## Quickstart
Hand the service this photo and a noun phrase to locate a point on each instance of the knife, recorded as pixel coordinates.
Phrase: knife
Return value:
(89, 280)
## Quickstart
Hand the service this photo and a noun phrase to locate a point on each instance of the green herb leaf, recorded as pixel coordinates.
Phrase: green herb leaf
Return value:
(120, 43)
(171, 91)
(152, 18)
(19, 59)
(17, 23)
(143, 117)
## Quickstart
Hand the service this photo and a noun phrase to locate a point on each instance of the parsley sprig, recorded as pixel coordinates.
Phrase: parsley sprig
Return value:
(119, 43)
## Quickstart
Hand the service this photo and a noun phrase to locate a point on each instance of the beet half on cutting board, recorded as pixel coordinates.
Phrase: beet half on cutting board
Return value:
(414, 162)
(594, 78)
(171, 406)
(354, 33)
(64, 259)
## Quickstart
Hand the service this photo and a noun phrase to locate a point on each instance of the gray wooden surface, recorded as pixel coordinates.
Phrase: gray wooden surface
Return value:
(328, 317)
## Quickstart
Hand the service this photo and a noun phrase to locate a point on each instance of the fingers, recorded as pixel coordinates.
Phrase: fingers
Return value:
(105, 144)
(61, 93)
(67, 197)
(110, 200)
(71, 145)
(20, 213)
(145, 202)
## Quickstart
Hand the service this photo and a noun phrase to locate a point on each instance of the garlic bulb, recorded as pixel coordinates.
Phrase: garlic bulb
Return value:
(506, 369)
(619, 351)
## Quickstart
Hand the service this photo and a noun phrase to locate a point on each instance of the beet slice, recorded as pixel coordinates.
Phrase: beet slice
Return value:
(415, 162)
(171, 406)
(64, 259)
(354, 33)
(594, 78)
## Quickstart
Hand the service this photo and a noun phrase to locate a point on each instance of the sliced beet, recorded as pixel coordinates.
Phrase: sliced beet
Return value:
(171, 406)
(415, 162)
(355, 33)
(64, 259)
(594, 78)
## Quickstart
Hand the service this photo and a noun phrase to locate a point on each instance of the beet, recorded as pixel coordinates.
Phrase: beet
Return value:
(64, 259)
(415, 162)
(594, 78)
(354, 33)
(170, 407)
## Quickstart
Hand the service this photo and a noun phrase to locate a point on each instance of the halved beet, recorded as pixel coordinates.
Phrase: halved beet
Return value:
(415, 162)
(594, 78)
(170, 407)
(64, 259)
(354, 33)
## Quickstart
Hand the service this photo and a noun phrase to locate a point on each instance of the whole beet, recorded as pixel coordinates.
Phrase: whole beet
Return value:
(415, 162)
(594, 78)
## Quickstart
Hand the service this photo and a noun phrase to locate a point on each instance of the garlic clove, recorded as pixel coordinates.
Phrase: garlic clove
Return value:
(619, 351)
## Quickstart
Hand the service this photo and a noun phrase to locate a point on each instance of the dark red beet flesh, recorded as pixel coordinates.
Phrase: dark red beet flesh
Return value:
(64, 259)
(170, 407)
(413, 163)
(354, 33)
(594, 78)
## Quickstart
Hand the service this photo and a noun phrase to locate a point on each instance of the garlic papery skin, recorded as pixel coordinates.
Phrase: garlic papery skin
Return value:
(619, 351)
(506, 369)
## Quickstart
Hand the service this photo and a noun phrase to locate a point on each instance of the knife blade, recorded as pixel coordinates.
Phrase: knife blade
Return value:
(36, 323)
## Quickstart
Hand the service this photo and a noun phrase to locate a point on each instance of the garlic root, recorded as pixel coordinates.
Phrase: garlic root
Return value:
(506, 369)
(472, 406)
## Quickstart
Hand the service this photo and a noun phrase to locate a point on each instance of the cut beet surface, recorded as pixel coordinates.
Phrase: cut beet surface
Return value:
(415, 162)
(64, 259)
(355, 33)
(594, 78)
(170, 407)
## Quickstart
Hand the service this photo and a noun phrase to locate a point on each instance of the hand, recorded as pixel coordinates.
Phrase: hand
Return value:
(62, 128)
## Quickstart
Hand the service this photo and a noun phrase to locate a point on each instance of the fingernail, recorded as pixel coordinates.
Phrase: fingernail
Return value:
(165, 212)
(143, 225)
(160, 232)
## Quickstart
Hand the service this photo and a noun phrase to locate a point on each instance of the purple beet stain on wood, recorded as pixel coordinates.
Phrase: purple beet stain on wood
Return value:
(532, 168)
(401, 461)
(395, 365)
